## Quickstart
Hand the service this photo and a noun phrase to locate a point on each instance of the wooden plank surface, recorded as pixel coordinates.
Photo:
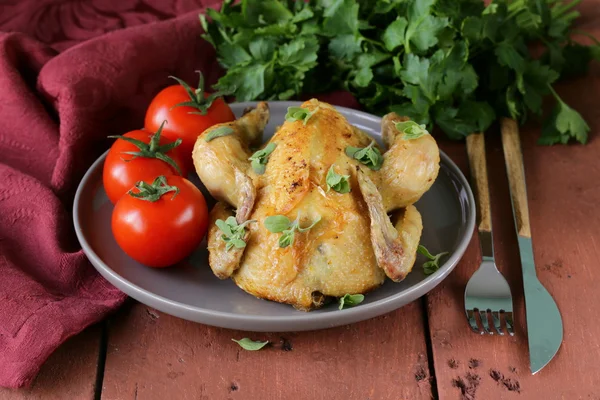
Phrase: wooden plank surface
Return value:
(563, 193)
(152, 355)
(155, 356)
(68, 374)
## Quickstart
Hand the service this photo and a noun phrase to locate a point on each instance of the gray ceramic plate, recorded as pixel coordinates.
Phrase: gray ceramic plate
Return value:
(192, 292)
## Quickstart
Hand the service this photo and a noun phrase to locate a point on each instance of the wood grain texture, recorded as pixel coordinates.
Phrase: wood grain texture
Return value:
(479, 174)
(513, 156)
(563, 193)
(68, 374)
(152, 355)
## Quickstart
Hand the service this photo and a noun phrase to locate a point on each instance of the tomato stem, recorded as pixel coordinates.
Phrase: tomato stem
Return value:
(153, 149)
(197, 99)
(153, 192)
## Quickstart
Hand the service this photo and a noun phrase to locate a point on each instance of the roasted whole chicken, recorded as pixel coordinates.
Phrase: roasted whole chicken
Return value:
(279, 228)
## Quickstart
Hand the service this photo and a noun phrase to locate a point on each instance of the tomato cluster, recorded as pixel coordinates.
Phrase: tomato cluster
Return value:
(159, 216)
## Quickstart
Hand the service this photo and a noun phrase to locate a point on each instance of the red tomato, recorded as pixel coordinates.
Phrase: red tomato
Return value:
(162, 232)
(184, 121)
(122, 171)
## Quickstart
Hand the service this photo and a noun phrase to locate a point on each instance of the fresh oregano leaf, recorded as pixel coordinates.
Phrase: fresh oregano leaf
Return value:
(277, 223)
(297, 224)
(350, 300)
(423, 250)
(224, 226)
(250, 345)
(411, 130)
(369, 156)
(287, 238)
(337, 182)
(233, 233)
(219, 132)
(281, 223)
(260, 158)
(429, 267)
(299, 114)
(238, 243)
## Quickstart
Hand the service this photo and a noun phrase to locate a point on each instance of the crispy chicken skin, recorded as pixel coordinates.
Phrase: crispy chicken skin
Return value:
(355, 245)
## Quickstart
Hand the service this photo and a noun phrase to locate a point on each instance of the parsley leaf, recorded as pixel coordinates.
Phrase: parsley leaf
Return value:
(249, 81)
(263, 48)
(416, 72)
(230, 55)
(430, 60)
(422, 34)
(350, 300)
(337, 182)
(261, 157)
(563, 125)
(363, 77)
(534, 84)
(393, 36)
(579, 59)
(341, 18)
(429, 267)
(509, 56)
(233, 234)
(345, 47)
(470, 116)
(423, 26)
(472, 29)
(369, 156)
(300, 53)
(264, 12)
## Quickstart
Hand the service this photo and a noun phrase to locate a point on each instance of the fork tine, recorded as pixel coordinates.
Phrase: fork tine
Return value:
(508, 319)
(485, 322)
(473, 321)
(497, 325)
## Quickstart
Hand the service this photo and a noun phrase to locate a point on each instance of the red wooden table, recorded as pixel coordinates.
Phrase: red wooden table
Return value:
(424, 350)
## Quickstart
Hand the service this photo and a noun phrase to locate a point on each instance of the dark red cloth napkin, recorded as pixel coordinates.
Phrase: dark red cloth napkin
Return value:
(56, 110)
(55, 113)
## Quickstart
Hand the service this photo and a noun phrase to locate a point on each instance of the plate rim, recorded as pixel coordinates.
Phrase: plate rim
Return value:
(323, 320)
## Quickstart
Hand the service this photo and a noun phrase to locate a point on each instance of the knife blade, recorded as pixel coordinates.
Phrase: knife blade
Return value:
(544, 323)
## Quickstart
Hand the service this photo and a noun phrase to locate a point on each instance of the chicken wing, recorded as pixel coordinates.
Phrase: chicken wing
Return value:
(223, 262)
(410, 165)
(222, 163)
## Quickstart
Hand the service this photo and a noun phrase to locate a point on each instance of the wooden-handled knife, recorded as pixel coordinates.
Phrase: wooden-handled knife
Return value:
(544, 323)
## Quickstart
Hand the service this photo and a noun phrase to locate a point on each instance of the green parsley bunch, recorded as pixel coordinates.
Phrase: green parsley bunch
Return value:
(457, 64)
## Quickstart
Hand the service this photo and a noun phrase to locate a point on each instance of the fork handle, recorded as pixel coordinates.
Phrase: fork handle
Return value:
(513, 157)
(478, 165)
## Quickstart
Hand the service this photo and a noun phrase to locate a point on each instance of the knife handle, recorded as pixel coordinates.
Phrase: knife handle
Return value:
(478, 165)
(513, 157)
